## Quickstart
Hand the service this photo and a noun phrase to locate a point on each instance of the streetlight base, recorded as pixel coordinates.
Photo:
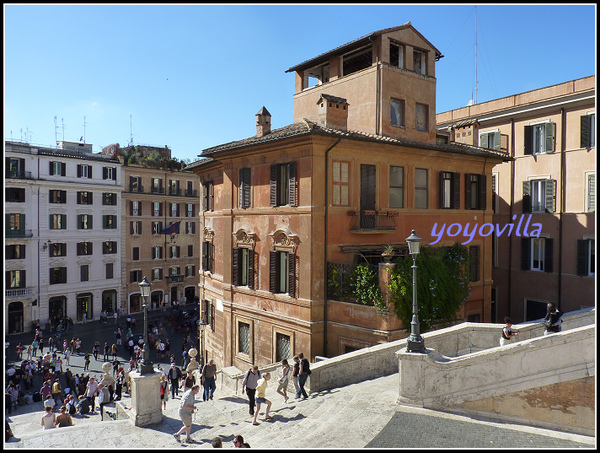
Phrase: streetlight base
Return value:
(145, 368)
(416, 346)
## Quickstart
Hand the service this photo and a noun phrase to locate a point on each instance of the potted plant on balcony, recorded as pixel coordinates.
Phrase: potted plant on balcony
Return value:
(388, 253)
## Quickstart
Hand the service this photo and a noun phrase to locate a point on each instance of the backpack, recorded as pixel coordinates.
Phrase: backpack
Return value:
(72, 409)
(306, 366)
(104, 395)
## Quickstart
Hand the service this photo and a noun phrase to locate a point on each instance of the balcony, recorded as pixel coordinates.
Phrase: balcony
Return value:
(191, 193)
(18, 233)
(158, 190)
(365, 221)
(177, 278)
(136, 189)
(174, 191)
(16, 293)
(17, 174)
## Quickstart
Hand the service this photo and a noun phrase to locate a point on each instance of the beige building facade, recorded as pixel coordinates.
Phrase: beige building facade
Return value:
(155, 197)
(550, 132)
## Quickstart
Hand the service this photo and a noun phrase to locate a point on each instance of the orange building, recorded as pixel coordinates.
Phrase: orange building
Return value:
(551, 134)
(359, 168)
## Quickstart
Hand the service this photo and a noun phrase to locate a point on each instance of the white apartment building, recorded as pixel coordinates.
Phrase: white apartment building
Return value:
(62, 236)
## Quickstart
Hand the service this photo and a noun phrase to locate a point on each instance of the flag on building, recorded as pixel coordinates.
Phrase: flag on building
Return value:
(171, 229)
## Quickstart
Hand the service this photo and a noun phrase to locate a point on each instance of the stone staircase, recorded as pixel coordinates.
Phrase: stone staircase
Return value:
(345, 417)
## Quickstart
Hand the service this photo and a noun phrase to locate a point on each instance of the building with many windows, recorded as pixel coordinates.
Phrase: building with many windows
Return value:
(156, 195)
(62, 236)
(359, 168)
(551, 134)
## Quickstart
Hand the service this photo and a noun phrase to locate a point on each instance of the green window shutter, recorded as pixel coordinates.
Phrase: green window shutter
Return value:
(273, 195)
(292, 184)
(549, 186)
(585, 135)
(526, 196)
(591, 183)
(497, 140)
(549, 135)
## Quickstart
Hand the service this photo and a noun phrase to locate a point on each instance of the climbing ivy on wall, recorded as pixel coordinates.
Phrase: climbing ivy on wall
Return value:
(442, 285)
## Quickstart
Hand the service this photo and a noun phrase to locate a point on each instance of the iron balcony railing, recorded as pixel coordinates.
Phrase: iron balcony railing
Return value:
(372, 220)
(18, 233)
(17, 174)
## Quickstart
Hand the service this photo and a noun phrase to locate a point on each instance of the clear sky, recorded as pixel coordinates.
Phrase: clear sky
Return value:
(194, 76)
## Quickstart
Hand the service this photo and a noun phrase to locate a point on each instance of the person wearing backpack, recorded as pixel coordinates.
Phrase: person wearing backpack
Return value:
(249, 386)
(552, 320)
(303, 376)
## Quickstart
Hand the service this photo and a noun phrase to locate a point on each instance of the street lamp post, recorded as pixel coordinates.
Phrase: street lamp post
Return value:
(415, 342)
(145, 366)
(202, 326)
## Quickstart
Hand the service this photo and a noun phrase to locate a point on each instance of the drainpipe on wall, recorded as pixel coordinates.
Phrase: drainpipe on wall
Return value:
(377, 88)
(512, 203)
(562, 192)
(326, 244)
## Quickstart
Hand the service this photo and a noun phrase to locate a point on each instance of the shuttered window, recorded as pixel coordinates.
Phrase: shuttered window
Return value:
(207, 256)
(449, 196)
(539, 138)
(474, 263)
(588, 131)
(475, 191)
(586, 257)
(207, 196)
(282, 273)
(421, 188)
(538, 195)
(490, 139)
(245, 188)
(537, 254)
(590, 197)
(283, 184)
(243, 267)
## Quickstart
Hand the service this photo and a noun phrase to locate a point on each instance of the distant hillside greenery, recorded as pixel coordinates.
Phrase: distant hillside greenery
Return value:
(148, 156)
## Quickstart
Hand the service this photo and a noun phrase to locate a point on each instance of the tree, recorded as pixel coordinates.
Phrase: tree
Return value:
(442, 284)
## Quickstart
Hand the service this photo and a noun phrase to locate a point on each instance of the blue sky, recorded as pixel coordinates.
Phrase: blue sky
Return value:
(194, 76)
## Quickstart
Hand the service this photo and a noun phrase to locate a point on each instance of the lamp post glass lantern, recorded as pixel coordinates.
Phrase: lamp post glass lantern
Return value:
(415, 342)
(145, 366)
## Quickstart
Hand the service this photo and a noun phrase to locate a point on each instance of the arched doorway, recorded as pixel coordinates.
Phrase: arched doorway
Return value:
(109, 301)
(57, 307)
(15, 317)
(85, 304)
(190, 294)
(155, 299)
(135, 303)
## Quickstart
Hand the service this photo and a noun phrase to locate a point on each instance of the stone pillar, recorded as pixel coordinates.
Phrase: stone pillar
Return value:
(412, 369)
(145, 398)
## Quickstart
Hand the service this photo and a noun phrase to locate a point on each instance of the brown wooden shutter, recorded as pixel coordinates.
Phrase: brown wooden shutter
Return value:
(273, 274)
(455, 190)
(274, 174)
(549, 255)
(292, 184)
(292, 275)
(251, 269)
(585, 135)
(235, 266)
(79, 170)
(482, 192)
(582, 257)
(467, 190)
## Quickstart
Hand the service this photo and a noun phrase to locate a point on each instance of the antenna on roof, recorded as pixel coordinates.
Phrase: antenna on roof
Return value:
(63, 128)
(83, 136)
(476, 81)
(55, 130)
(130, 131)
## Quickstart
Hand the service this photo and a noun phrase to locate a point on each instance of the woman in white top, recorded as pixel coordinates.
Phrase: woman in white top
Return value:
(283, 379)
(49, 419)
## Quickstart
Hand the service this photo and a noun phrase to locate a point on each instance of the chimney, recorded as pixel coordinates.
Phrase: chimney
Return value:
(333, 112)
(263, 122)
